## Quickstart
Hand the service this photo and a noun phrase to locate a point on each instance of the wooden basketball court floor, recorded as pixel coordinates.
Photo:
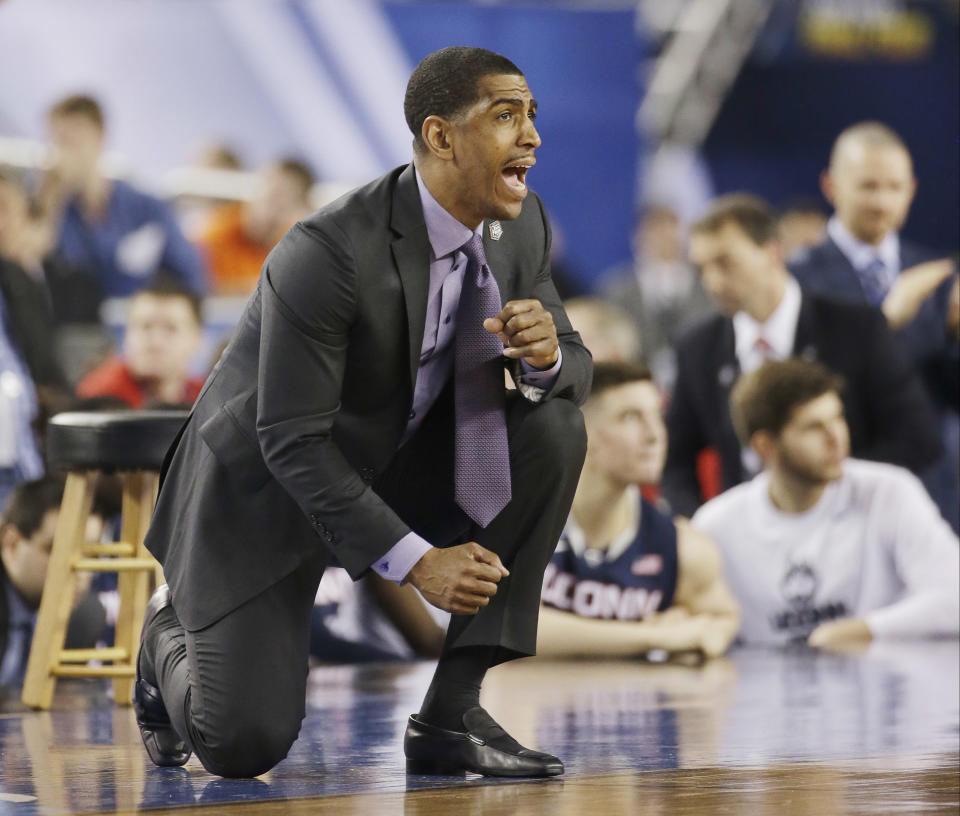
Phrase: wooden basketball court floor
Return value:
(758, 732)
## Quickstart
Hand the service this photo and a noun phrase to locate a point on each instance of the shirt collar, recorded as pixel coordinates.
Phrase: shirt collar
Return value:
(861, 254)
(445, 233)
(779, 330)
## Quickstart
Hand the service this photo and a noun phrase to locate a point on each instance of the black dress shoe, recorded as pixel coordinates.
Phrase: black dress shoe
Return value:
(483, 748)
(163, 744)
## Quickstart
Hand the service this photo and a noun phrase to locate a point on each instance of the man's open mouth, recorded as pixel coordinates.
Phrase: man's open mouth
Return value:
(515, 175)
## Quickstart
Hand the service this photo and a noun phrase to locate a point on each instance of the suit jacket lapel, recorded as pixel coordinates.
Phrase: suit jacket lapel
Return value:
(725, 362)
(497, 258)
(847, 280)
(804, 340)
(411, 253)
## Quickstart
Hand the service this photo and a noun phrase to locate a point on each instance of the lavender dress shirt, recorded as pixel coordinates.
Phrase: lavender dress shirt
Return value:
(447, 266)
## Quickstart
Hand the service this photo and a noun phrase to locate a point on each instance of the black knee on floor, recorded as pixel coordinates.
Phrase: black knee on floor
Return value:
(247, 750)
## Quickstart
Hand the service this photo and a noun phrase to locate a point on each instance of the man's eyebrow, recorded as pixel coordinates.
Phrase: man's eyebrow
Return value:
(513, 100)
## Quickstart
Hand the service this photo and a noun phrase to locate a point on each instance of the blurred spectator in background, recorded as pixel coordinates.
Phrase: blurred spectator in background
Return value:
(218, 156)
(240, 235)
(820, 547)
(802, 225)
(31, 382)
(610, 334)
(625, 579)
(26, 537)
(212, 177)
(57, 310)
(24, 238)
(117, 235)
(22, 291)
(871, 185)
(764, 316)
(659, 289)
(162, 337)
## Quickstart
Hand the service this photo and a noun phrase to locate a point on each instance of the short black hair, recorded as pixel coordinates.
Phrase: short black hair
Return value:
(30, 502)
(803, 205)
(298, 169)
(445, 83)
(749, 212)
(613, 375)
(80, 105)
(166, 285)
(765, 398)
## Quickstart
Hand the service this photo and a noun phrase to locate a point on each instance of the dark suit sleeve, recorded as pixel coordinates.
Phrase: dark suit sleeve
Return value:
(309, 300)
(576, 371)
(903, 428)
(685, 439)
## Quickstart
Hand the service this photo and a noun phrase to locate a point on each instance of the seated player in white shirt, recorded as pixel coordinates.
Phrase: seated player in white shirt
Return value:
(821, 547)
(626, 579)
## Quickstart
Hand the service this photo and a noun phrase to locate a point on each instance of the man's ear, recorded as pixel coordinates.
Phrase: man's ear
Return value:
(436, 137)
(826, 186)
(765, 445)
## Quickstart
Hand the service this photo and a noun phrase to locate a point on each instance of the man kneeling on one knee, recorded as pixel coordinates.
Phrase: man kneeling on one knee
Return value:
(360, 410)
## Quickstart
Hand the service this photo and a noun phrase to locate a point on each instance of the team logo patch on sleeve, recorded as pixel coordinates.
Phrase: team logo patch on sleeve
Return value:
(651, 564)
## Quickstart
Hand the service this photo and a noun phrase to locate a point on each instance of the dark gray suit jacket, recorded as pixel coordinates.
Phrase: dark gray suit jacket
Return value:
(309, 401)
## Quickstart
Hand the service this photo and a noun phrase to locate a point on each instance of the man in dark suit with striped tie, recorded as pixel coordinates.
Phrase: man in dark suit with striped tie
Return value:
(871, 184)
(360, 411)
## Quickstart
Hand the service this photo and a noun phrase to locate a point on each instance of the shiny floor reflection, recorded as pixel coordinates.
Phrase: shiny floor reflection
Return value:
(758, 732)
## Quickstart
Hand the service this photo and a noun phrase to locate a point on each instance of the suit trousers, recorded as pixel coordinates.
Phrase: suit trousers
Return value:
(235, 690)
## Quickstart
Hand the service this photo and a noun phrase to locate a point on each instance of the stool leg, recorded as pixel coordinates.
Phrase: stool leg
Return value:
(59, 589)
(139, 495)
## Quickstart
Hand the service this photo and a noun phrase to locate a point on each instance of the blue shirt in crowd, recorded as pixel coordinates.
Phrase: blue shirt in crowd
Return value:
(135, 238)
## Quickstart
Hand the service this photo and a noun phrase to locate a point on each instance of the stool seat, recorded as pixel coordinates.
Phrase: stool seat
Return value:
(112, 440)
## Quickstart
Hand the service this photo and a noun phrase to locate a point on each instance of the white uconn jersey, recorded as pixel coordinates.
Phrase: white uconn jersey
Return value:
(874, 547)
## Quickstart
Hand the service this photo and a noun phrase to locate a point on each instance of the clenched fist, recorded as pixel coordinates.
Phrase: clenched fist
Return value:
(458, 579)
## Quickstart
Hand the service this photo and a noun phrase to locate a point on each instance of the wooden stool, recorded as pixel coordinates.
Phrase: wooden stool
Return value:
(132, 443)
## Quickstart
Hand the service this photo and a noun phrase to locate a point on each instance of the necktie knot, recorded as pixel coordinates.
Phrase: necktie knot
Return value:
(763, 347)
(473, 249)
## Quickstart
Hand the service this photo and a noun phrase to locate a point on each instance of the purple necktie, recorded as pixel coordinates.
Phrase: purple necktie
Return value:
(482, 455)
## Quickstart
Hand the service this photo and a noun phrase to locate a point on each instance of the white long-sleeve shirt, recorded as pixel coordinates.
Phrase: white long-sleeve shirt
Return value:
(874, 547)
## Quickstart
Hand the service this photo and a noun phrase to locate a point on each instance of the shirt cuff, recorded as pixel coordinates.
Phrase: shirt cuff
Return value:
(535, 382)
(401, 557)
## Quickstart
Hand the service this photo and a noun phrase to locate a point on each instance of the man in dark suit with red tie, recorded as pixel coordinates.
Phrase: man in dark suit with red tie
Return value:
(360, 411)
(764, 315)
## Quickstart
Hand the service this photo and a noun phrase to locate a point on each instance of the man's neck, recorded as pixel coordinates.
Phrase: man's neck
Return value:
(169, 389)
(767, 301)
(602, 508)
(94, 193)
(791, 494)
(434, 175)
(7, 582)
(837, 224)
